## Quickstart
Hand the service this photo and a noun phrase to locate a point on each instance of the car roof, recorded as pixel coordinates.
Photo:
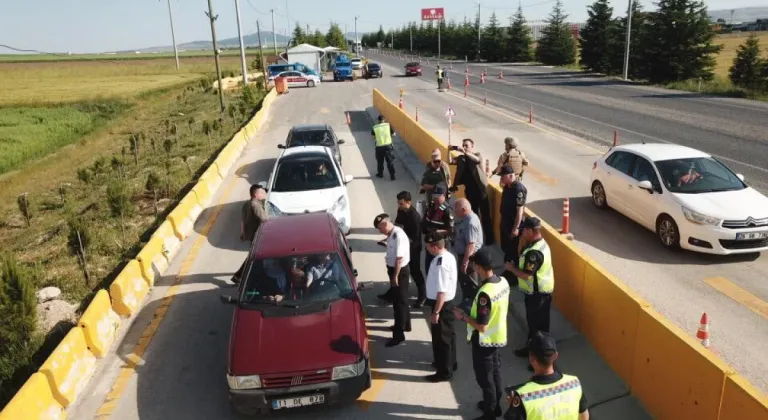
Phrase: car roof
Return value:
(305, 150)
(279, 237)
(310, 127)
(662, 151)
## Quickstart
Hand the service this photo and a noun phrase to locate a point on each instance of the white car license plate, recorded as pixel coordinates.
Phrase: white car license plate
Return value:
(298, 402)
(745, 236)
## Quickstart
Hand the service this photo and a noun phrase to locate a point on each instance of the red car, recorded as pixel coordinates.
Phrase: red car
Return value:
(413, 69)
(298, 335)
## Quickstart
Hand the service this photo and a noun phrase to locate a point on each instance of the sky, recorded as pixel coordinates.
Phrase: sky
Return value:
(111, 25)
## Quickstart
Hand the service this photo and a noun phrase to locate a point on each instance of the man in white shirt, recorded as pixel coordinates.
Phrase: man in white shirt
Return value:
(397, 258)
(442, 276)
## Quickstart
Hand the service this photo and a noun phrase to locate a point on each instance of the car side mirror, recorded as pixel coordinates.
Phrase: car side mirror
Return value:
(348, 179)
(230, 300)
(340, 141)
(740, 176)
(281, 146)
(646, 185)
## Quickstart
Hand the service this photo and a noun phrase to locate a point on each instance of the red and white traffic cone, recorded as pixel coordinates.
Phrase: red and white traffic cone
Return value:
(349, 121)
(501, 74)
(566, 230)
(449, 83)
(530, 115)
(466, 80)
(703, 332)
(482, 78)
(466, 70)
(401, 103)
(615, 138)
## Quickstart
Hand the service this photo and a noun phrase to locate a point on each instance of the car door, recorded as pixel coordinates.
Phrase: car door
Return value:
(301, 79)
(643, 206)
(618, 167)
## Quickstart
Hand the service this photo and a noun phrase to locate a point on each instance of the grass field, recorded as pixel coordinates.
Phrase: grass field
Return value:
(731, 43)
(12, 58)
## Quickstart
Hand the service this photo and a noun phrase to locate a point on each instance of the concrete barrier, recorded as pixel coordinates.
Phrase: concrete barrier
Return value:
(128, 290)
(170, 241)
(152, 260)
(179, 219)
(99, 324)
(69, 367)
(642, 347)
(34, 401)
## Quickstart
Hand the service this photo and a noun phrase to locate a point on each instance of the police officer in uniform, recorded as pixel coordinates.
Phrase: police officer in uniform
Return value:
(513, 199)
(549, 394)
(440, 75)
(439, 218)
(487, 332)
(384, 149)
(442, 276)
(397, 259)
(535, 278)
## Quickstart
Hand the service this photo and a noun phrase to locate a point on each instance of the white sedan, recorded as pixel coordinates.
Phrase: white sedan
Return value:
(357, 63)
(307, 180)
(298, 79)
(687, 197)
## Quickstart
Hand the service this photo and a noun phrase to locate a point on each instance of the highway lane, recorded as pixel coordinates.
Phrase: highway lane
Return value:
(182, 374)
(734, 130)
(673, 282)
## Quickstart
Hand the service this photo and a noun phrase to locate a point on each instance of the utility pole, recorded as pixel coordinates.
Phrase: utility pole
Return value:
(274, 35)
(242, 44)
(478, 30)
(393, 39)
(626, 46)
(261, 53)
(173, 35)
(287, 28)
(307, 29)
(356, 18)
(410, 29)
(439, 24)
(213, 18)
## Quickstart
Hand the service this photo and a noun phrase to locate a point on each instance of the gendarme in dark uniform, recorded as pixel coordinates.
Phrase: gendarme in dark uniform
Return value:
(513, 199)
(438, 218)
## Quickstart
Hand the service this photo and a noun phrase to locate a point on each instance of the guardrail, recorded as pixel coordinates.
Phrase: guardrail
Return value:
(61, 379)
(665, 368)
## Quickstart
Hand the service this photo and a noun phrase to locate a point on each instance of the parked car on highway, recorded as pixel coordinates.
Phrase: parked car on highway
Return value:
(298, 335)
(690, 199)
(372, 70)
(357, 63)
(313, 135)
(298, 79)
(309, 180)
(413, 69)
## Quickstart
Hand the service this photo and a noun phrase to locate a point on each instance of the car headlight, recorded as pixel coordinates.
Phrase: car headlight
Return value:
(700, 219)
(349, 371)
(273, 210)
(340, 205)
(244, 382)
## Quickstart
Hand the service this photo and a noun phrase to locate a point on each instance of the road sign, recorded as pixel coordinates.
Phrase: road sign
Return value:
(434, 13)
(449, 112)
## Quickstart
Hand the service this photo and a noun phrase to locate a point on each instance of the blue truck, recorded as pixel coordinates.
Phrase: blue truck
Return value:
(342, 69)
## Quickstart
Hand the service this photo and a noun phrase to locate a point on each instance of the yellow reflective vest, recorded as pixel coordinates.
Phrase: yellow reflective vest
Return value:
(440, 74)
(496, 334)
(556, 401)
(383, 134)
(545, 276)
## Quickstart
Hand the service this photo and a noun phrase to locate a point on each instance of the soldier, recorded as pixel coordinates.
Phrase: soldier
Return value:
(438, 218)
(512, 157)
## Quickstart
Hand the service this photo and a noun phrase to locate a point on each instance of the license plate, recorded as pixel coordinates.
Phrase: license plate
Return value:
(745, 236)
(298, 402)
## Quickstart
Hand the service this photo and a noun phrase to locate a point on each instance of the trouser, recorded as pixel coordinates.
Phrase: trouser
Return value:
(486, 362)
(469, 286)
(443, 338)
(440, 84)
(384, 153)
(400, 302)
(482, 207)
(417, 274)
(537, 312)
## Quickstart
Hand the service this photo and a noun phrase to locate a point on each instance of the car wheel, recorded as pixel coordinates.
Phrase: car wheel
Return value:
(598, 195)
(311, 83)
(667, 231)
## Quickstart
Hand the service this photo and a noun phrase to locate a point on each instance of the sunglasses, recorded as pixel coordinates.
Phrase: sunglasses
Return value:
(436, 161)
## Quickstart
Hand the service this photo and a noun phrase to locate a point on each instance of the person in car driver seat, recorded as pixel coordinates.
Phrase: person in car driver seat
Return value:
(323, 273)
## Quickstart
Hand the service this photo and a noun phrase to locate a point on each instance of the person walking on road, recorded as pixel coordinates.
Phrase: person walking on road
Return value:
(470, 174)
(513, 198)
(384, 148)
(439, 219)
(535, 278)
(441, 290)
(549, 394)
(397, 259)
(253, 214)
(487, 332)
(512, 157)
(469, 239)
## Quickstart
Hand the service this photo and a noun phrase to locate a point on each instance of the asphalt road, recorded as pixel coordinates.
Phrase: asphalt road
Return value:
(677, 284)
(734, 130)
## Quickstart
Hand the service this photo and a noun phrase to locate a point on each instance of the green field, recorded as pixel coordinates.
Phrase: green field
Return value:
(14, 58)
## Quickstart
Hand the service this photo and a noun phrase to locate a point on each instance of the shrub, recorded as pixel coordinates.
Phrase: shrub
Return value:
(25, 207)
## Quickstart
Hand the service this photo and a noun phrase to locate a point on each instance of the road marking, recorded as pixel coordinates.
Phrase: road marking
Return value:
(135, 357)
(728, 288)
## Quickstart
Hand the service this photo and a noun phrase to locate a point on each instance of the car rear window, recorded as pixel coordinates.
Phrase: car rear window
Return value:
(412, 65)
(297, 280)
(305, 174)
(310, 138)
(373, 66)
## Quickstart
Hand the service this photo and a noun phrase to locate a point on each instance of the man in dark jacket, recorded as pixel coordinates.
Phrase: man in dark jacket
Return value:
(253, 214)
(470, 174)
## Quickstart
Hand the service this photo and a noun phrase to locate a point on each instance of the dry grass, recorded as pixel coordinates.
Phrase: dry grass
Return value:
(731, 43)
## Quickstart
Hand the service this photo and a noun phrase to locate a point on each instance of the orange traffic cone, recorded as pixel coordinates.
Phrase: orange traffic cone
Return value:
(349, 122)
(615, 138)
(703, 332)
(401, 103)
(466, 80)
(449, 83)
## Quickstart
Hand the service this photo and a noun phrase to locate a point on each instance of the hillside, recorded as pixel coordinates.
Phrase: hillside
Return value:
(744, 14)
(251, 40)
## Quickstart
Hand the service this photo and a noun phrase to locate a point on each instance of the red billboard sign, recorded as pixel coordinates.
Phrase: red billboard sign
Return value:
(434, 13)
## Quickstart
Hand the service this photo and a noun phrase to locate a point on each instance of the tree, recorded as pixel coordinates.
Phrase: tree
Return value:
(596, 42)
(748, 67)
(556, 46)
(637, 66)
(493, 40)
(519, 40)
(119, 201)
(25, 207)
(680, 45)
(336, 38)
(299, 36)
(318, 39)
(153, 187)
(380, 35)
(134, 141)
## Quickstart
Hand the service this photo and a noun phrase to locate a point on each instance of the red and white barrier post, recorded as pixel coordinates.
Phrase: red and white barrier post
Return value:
(703, 332)
(530, 115)
(417, 113)
(615, 138)
(501, 74)
(566, 230)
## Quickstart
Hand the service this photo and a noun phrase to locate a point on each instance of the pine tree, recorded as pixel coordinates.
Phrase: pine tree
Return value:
(637, 66)
(556, 46)
(335, 38)
(596, 42)
(493, 41)
(299, 37)
(318, 39)
(680, 45)
(380, 35)
(748, 68)
(519, 40)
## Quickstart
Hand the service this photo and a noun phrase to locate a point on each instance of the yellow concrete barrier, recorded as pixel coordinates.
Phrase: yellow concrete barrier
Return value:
(99, 324)
(226, 160)
(69, 367)
(742, 401)
(152, 260)
(128, 289)
(34, 401)
(202, 194)
(238, 140)
(170, 241)
(190, 202)
(211, 182)
(179, 220)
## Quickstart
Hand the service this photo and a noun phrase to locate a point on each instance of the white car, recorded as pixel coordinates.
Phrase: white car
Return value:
(298, 79)
(357, 63)
(687, 197)
(308, 179)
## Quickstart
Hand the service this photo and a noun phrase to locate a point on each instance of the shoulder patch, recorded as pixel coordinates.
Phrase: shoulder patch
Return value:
(439, 261)
(516, 400)
(483, 301)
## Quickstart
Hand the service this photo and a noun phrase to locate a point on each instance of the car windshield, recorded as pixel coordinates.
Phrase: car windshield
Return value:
(305, 174)
(321, 137)
(296, 281)
(697, 175)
